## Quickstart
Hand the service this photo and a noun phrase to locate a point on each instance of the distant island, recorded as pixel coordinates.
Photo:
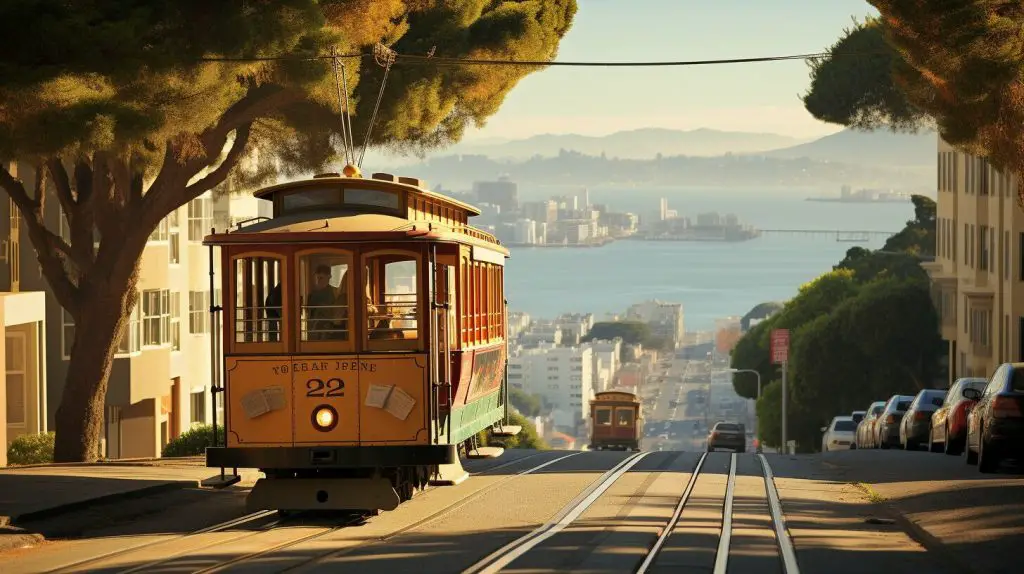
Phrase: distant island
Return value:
(865, 196)
(710, 227)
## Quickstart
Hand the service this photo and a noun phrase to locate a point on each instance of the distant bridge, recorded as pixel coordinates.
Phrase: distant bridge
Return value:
(841, 235)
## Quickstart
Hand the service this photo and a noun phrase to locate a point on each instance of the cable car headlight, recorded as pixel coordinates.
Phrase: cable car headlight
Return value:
(325, 418)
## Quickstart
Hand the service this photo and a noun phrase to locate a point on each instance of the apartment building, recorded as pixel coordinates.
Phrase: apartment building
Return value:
(23, 396)
(160, 380)
(664, 319)
(562, 376)
(978, 272)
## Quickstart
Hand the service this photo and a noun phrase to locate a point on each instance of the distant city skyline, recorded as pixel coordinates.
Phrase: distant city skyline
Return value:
(756, 97)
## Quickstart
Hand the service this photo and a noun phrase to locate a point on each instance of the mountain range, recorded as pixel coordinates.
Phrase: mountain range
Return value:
(880, 148)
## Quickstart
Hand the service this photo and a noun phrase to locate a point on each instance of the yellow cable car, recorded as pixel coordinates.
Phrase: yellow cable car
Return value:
(363, 342)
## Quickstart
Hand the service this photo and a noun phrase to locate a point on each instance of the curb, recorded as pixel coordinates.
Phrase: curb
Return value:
(116, 462)
(70, 507)
(18, 539)
(917, 533)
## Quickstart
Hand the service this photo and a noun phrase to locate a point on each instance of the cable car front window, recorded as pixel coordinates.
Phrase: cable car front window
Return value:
(623, 417)
(324, 285)
(603, 417)
(258, 304)
(392, 299)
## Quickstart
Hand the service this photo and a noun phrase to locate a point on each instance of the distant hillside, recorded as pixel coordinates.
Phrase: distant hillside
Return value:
(644, 143)
(866, 148)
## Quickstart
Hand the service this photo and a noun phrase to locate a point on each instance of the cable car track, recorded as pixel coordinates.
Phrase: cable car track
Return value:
(149, 545)
(514, 550)
(348, 521)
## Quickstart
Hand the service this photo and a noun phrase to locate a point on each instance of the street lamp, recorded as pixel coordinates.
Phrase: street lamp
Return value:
(758, 373)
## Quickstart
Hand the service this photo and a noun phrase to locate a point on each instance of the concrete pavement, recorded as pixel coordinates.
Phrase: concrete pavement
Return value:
(572, 515)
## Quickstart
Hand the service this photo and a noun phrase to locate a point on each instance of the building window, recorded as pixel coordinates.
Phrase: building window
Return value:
(198, 312)
(200, 218)
(67, 337)
(131, 338)
(15, 361)
(1006, 255)
(198, 408)
(174, 253)
(160, 233)
(156, 317)
(983, 251)
(175, 321)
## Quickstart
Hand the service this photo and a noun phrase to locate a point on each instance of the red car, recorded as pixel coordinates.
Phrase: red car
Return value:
(949, 423)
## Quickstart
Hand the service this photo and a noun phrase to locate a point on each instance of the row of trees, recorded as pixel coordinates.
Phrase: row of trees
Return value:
(955, 66)
(859, 333)
(126, 110)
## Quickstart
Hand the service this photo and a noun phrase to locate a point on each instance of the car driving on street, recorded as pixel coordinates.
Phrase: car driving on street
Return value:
(731, 436)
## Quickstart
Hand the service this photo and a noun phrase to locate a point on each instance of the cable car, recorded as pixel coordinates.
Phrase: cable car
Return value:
(616, 421)
(363, 342)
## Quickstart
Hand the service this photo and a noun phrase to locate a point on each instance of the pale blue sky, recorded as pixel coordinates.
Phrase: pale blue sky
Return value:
(756, 97)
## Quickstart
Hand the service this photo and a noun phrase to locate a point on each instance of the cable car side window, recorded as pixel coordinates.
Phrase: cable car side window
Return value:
(258, 303)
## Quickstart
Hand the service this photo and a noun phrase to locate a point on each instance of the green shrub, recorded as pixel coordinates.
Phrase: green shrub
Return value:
(192, 442)
(31, 449)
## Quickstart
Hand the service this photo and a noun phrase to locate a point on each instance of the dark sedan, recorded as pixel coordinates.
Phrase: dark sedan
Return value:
(916, 426)
(995, 426)
(727, 435)
(887, 429)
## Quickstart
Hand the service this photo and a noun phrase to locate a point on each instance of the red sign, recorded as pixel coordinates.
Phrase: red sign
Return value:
(780, 346)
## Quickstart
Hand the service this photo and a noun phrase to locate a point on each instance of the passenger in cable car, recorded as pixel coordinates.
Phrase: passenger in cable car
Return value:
(325, 307)
(272, 308)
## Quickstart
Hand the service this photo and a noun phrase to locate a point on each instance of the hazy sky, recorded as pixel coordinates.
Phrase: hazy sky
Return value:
(756, 97)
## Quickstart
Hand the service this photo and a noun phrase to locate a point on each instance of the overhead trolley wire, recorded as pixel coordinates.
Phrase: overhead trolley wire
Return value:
(444, 61)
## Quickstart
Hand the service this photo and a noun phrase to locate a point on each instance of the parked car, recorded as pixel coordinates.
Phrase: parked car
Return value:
(887, 429)
(839, 434)
(995, 426)
(858, 416)
(865, 437)
(727, 435)
(916, 426)
(949, 423)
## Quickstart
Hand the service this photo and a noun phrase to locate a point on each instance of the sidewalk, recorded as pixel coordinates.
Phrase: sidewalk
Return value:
(33, 493)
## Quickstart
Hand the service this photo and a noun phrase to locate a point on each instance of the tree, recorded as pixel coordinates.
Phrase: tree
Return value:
(769, 415)
(853, 86)
(631, 333)
(526, 403)
(126, 110)
(527, 437)
(818, 297)
(957, 63)
(760, 311)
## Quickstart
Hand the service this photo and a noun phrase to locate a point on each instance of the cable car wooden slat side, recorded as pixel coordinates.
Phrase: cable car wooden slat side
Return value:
(363, 342)
(616, 421)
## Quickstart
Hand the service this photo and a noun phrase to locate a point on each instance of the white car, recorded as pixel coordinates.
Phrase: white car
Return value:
(840, 434)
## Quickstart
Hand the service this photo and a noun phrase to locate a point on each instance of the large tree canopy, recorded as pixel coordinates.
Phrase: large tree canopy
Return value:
(956, 64)
(853, 86)
(128, 109)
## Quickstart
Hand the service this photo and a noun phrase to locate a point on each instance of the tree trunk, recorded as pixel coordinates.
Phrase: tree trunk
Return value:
(105, 307)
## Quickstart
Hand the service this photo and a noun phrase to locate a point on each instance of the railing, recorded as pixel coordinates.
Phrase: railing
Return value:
(324, 322)
(256, 325)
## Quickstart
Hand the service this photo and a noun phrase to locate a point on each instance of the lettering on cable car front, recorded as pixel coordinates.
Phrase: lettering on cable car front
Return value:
(317, 366)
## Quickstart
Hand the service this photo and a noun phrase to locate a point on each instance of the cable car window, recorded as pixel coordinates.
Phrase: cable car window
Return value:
(603, 417)
(371, 197)
(392, 298)
(311, 197)
(623, 417)
(258, 304)
(324, 286)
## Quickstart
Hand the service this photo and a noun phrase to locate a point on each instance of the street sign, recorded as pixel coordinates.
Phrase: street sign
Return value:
(780, 346)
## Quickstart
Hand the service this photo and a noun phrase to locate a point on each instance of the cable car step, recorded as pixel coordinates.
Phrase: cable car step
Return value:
(220, 480)
(486, 452)
(506, 430)
(449, 474)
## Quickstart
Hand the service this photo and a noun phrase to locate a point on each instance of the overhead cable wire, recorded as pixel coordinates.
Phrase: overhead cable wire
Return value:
(438, 60)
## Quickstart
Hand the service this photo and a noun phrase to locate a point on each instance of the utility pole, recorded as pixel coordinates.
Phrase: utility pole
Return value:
(780, 356)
